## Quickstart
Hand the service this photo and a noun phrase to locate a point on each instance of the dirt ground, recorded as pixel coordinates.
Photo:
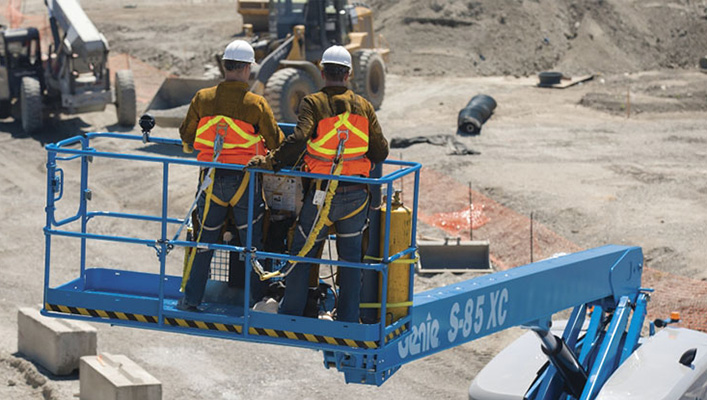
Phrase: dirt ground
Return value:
(619, 159)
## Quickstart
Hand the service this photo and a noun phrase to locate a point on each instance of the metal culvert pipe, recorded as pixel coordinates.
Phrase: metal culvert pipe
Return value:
(475, 114)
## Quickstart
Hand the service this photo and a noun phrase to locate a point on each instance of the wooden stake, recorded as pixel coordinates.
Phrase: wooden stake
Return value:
(402, 180)
(471, 215)
(628, 102)
(531, 237)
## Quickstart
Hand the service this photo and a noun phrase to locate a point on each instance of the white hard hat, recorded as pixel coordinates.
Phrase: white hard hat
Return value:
(239, 50)
(337, 55)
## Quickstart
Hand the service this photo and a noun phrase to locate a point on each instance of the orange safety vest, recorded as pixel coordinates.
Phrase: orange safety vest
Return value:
(240, 142)
(321, 150)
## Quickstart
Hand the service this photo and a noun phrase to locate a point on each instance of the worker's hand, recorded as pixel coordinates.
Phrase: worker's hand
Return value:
(262, 162)
(187, 148)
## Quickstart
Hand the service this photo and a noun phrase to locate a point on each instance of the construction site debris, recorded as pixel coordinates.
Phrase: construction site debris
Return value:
(550, 77)
(456, 147)
(475, 114)
(562, 82)
(453, 255)
(56, 345)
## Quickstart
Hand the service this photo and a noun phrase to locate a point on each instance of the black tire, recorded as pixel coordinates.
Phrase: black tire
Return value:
(5, 109)
(369, 76)
(284, 92)
(125, 102)
(31, 112)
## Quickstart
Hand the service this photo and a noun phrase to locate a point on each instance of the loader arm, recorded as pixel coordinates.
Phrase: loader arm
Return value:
(271, 62)
(80, 40)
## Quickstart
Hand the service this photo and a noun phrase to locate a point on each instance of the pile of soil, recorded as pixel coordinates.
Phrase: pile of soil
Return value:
(523, 37)
(456, 37)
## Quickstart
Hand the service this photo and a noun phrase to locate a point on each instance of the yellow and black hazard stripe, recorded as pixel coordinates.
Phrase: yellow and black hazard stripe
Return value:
(364, 344)
(104, 314)
(395, 333)
(276, 333)
(213, 326)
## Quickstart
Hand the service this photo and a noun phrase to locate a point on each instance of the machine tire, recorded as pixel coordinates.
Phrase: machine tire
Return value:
(31, 112)
(369, 76)
(284, 92)
(125, 105)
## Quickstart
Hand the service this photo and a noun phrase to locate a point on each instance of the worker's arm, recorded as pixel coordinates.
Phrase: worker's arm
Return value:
(377, 144)
(292, 147)
(271, 133)
(187, 131)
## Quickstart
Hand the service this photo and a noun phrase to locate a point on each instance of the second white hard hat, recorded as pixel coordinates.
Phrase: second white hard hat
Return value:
(239, 50)
(337, 55)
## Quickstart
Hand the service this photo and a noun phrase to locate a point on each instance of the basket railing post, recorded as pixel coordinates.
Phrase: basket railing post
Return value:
(49, 210)
(83, 205)
(163, 239)
(385, 259)
(248, 254)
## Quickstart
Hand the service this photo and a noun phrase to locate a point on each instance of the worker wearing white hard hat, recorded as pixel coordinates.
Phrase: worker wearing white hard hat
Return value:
(337, 55)
(337, 133)
(239, 50)
(226, 124)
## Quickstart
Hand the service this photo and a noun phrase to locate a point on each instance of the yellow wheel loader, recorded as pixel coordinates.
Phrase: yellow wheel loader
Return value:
(299, 32)
(255, 13)
(288, 55)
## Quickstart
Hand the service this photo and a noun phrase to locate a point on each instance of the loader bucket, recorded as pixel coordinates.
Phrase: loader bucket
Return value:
(170, 104)
(453, 255)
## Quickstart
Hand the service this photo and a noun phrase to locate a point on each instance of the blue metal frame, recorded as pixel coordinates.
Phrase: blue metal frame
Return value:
(607, 278)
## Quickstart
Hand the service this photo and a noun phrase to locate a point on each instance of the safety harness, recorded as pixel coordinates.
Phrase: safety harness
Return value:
(322, 218)
(207, 185)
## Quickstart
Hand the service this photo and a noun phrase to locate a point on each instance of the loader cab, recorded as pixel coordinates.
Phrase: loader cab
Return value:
(327, 22)
(326, 25)
(284, 15)
(20, 56)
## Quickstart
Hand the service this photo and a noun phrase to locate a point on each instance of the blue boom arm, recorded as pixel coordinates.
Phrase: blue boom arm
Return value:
(528, 295)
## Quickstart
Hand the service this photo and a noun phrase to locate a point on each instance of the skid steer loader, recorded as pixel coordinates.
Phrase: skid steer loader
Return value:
(287, 58)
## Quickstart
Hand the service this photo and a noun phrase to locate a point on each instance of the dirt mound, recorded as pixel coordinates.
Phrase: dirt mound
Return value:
(647, 92)
(182, 44)
(523, 37)
(456, 37)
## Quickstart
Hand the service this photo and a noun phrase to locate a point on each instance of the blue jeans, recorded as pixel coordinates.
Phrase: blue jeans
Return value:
(225, 185)
(348, 244)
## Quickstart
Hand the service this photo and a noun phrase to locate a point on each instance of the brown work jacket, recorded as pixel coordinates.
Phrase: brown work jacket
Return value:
(329, 102)
(232, 99)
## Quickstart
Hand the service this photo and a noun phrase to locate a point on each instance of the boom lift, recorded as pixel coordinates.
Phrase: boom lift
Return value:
(74, 79)
(599, 348)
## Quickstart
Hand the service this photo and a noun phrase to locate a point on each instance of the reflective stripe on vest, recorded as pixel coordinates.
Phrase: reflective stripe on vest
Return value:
(321, 150)
(240, 141)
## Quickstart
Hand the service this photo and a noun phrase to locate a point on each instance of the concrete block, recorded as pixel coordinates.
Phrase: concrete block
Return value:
(116, 377)
(56, 344)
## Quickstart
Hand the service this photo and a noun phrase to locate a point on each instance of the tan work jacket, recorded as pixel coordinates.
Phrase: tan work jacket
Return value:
(329, 102)
(232, 99)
